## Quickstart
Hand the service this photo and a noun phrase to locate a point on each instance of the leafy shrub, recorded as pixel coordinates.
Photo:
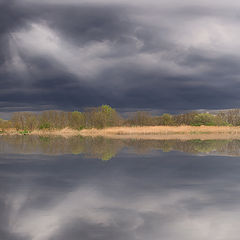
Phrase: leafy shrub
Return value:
(45, 126)
(207, 120)
(24, 132)
(77, 120)
(166, 120)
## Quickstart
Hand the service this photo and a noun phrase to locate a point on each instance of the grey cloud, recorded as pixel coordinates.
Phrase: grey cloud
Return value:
(13, 16)
(83, 24)
(147, 60)
(90, 231)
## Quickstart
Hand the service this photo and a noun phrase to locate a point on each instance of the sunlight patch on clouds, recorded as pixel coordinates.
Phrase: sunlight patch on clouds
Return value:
(83, 61)
(212, 35)
(92, 59)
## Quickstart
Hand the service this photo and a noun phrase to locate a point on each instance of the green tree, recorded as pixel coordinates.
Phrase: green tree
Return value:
(77, 120)
(141, 118)
(204, 119)
(166, 120)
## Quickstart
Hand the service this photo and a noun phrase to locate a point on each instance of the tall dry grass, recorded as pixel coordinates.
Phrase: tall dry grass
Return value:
(166, 132)
(65, 132)
(162, 130)
(146, 132)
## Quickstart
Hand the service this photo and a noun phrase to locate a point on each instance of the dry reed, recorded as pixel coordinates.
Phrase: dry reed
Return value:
(167, 132)
(146, 132)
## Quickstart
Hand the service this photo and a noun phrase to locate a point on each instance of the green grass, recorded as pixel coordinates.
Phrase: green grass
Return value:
(24, 132)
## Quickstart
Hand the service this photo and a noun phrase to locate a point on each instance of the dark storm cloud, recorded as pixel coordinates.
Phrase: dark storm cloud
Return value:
(82, 24)
(51, 86)
(159, 56)
(13, 17)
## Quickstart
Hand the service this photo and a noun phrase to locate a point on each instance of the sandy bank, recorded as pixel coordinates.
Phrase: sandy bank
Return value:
(66, 132)
(166, 132)
(149, 132)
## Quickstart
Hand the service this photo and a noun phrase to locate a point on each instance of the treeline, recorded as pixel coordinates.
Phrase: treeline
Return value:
(99, 117)
(105, 116)
(223, 118)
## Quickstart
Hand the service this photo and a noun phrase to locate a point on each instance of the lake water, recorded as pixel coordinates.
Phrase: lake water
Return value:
(101, 189)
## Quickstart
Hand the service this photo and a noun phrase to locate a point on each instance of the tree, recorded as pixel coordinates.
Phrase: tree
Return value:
(166, 120)
(100, 117)
(184, 119)
(141, 118)
(4, 124)
(204, 119)
(77, 120)
(231, 116)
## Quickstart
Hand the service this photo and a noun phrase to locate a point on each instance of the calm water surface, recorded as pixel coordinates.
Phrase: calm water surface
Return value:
(100, 189)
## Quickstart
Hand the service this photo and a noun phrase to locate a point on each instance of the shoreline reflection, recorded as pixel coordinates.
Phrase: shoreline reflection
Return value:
(105, 149)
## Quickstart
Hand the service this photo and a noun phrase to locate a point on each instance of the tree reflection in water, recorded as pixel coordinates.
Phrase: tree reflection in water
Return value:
(105, 149)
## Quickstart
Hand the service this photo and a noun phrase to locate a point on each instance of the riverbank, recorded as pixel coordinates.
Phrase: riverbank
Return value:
(146, 132)
(166, 132)
(66, 132)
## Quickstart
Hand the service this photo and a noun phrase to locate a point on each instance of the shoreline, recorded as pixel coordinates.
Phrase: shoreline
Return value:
(145, 132)
(166, 132)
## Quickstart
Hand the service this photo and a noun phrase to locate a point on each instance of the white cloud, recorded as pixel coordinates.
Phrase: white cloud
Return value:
(84, 61)
(90, 60)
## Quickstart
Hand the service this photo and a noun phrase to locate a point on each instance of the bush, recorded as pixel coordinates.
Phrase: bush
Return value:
(100, 117)
(45, 126)
(4, 124)
(207, 120)
(24, 132)
(166, 120)
(77, 120)
(141, 118)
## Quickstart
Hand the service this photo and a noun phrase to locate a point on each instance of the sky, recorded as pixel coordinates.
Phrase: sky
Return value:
(168, 56)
